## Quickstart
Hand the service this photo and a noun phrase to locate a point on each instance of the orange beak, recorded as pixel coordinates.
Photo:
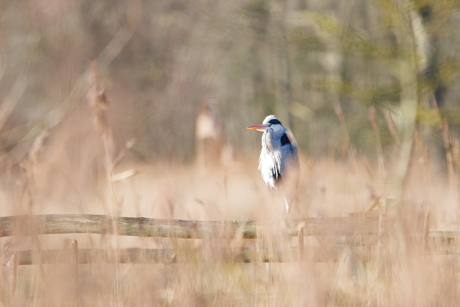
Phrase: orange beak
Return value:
(258, 127)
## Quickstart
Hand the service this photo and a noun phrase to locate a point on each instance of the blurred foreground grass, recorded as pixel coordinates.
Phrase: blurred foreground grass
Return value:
(335, 272)
(123, 140)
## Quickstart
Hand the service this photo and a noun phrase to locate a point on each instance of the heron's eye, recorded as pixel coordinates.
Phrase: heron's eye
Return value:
(269, 125)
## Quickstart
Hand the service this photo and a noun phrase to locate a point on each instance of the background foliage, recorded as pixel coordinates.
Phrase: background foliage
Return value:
(369, 87)
(296, 59)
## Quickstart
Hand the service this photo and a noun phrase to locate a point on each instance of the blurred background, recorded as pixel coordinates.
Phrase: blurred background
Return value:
(295, 59)
(185, 78)
(140, 108)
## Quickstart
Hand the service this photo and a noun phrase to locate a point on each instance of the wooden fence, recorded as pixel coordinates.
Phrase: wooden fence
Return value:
(355, 230)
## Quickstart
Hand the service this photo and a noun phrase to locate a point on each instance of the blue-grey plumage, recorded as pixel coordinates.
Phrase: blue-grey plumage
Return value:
(279, 157)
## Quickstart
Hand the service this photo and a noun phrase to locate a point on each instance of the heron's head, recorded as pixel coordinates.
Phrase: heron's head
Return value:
(270, 125)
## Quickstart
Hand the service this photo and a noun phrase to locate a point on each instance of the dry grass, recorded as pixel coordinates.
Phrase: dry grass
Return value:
(78, 169)
(334, 272)
(84, 162)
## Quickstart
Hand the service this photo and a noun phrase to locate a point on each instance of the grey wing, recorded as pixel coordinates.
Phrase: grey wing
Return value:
(289, 158)
(289, 152)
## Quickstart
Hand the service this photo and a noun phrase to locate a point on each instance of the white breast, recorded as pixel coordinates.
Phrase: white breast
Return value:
(269, 164)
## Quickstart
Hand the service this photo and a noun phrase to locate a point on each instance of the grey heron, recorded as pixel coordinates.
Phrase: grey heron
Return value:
(279, 158)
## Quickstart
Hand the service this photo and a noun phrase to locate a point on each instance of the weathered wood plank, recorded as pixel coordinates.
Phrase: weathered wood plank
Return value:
(126, 226)
(354, 225)
(237, 255)
(57, 256)
(146, 227)
(138, 255)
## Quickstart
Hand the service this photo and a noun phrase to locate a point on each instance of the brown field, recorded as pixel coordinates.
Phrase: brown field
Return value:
(139, 109)
(332, 272)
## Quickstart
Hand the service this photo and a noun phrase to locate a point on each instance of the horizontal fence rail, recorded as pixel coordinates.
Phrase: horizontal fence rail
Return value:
(125, 226)
(62, 256)
(166, 255)
(355, 231)
(147, 227)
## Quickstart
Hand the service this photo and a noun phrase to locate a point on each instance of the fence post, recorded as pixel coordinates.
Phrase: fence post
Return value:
(13, 274)
(74, 263)
(300, 236)
(426, 231)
